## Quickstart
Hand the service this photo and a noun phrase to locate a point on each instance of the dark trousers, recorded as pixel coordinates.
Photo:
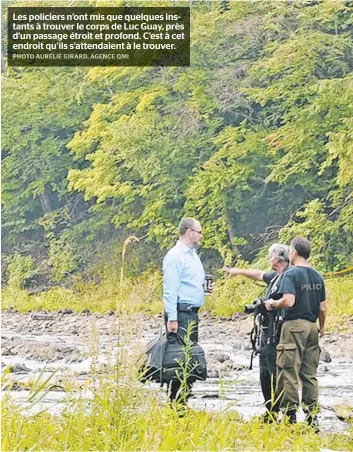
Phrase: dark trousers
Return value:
(184, 319)
(268, 379)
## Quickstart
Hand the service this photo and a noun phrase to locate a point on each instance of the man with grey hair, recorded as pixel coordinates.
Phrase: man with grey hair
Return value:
(183, 287)
(278, 255)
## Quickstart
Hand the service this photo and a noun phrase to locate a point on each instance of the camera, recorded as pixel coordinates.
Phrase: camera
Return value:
(257, 303)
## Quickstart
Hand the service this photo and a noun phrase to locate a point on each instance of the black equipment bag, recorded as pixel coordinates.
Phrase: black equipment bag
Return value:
(166, 361)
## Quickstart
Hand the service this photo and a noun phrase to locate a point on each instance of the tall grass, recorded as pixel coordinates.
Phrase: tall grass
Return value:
(144, 295)
(339, 293)
(132, 417)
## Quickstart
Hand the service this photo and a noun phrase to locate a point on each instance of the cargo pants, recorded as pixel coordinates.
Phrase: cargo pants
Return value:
(297, 360)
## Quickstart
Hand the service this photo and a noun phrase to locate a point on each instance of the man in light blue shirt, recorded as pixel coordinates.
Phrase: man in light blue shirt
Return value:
(183, 286)
(183, 276)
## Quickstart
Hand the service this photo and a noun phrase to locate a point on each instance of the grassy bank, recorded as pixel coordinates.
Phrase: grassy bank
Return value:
(117, 421)
(144, 294)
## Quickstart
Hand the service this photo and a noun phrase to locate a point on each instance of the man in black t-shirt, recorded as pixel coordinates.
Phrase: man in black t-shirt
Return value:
(303, 295)
(279, 261)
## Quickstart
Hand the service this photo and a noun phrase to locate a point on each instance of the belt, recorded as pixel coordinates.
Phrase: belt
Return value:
(184, 307)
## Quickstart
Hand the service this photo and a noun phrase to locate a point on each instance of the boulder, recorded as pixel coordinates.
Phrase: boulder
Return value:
(42, 316)
(19, 368)
(344, 412)
(325, 356)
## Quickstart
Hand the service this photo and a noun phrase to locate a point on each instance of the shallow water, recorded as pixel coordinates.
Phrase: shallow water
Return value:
(233, 389)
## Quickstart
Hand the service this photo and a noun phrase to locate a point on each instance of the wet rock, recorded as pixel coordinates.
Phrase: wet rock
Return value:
(322, 368)
(66, 349)
(42, 316)
(344, 412)
(212, 373)
(5, 351)
(11, 309)
(37, 290)
(228, 367)
(239, 344)
(205, 315)
(65, 311)
(14, 387)
(244, 316)
(57, 388)
(325, 356)
(247, 345)
(210, 396)
(349, 350)
(19, 368)
(225, 368)
(219, 357)
(75, 358)
(82, 373)
(220, 364)
(40, 350)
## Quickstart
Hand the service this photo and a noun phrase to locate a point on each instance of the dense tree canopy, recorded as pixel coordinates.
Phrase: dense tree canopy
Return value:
(255, 139)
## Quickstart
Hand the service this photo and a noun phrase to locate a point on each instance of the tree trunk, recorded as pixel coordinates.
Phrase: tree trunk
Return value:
(230, 232)
(45, 202)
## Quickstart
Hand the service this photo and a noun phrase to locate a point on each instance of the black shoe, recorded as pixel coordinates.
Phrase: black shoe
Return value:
(313, 422)
(180, 409)
(292, 418)
(269, 417)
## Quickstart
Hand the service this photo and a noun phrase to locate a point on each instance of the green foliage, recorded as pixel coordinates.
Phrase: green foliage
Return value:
(41, 110)
(225, 187)
(134, 182)
(329, 241)
(255, 139)
(62, 255)
(340, 302)
(21, 270)
(231, 296)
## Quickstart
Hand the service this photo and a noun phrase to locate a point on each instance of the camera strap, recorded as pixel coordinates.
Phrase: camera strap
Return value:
(255, 335)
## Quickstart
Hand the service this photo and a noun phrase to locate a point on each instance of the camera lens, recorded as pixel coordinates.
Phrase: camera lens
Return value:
(249, 308)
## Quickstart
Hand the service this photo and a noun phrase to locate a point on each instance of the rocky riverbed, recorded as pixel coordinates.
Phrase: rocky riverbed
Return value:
(72, 345)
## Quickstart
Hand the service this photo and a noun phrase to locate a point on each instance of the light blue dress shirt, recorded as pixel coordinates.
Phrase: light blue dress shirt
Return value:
(183, 279)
